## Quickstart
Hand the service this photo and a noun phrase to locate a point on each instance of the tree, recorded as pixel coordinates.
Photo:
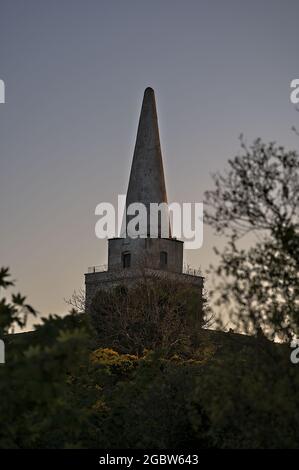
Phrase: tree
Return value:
(155, 313)
(228, 391)
(258, 195)
(77, 301)
(38, 406)
(12, 313)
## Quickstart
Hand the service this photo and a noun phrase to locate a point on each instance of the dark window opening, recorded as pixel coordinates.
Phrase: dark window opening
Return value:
(163, 258)
(126, 260)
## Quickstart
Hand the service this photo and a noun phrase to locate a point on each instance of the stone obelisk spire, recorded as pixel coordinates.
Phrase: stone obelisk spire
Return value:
(131, 257)
(147, 183)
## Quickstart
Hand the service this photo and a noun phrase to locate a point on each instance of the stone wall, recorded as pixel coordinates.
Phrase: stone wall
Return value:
(108, 279)
(146, 252)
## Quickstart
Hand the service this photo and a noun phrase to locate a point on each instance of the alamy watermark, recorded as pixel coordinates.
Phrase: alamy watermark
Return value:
(294, 357)
(154, 221)
(294, 96)
(2, 92)
(2, 352)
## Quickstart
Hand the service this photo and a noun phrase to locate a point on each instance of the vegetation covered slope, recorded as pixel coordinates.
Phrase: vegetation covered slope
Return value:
(226, 390)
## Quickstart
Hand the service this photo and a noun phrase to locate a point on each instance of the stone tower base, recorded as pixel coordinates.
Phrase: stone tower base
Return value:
(97, 280)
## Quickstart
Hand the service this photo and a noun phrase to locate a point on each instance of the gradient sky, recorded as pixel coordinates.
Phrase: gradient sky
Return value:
(75, 72)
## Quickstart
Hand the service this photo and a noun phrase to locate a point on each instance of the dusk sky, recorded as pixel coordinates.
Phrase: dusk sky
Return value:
(75, 72)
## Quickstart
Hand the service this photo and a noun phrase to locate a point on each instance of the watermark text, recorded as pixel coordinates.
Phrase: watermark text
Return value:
(154, 221)
(2, 92)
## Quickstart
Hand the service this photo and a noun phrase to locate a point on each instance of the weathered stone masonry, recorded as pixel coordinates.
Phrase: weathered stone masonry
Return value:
(155, 256)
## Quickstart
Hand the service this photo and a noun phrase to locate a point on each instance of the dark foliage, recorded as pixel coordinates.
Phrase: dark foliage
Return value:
(155, 314)
(259, 194)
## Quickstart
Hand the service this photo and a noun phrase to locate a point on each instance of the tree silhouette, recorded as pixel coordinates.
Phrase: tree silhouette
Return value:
(258, 195)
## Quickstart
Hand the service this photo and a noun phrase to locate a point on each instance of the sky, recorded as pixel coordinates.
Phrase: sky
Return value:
(75, 72)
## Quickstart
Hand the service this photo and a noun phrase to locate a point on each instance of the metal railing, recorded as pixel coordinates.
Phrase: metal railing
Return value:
(98, 269)
(187, 269)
